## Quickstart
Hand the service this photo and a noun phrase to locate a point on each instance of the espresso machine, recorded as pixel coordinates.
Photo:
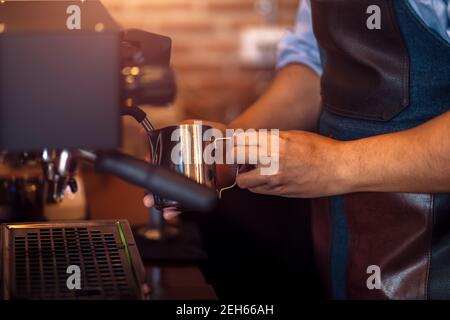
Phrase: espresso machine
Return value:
(68, 73)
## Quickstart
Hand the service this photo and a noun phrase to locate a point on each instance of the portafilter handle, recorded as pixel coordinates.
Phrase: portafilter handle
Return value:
(168, 184)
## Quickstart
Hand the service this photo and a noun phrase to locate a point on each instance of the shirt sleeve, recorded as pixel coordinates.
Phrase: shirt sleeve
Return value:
(300, 45)
(435, 14)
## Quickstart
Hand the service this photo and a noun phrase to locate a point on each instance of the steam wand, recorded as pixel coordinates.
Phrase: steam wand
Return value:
(140, 116)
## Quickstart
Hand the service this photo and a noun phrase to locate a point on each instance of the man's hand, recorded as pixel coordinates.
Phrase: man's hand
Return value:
(168, 213)
(308, 166)
(414, 160)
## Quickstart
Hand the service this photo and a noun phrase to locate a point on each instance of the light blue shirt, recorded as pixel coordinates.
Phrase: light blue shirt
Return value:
(300, 45)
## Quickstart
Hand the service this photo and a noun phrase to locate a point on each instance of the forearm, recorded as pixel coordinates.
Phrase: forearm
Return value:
(291, 102)
(416, 160)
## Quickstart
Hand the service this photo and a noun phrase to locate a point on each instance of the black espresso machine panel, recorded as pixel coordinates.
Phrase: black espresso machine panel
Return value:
(59, 87)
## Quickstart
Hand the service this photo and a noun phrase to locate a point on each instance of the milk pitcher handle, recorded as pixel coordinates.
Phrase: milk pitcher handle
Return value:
(238, 167)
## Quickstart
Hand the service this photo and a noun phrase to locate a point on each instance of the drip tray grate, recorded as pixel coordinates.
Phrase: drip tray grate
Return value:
(36, 256)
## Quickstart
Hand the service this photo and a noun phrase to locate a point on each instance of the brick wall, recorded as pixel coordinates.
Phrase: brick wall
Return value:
(212, 82)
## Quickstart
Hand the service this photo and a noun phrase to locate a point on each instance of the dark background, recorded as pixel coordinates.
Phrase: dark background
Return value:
(260, 247)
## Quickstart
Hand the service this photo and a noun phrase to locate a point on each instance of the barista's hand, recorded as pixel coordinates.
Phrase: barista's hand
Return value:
(224, 175)
(169, 213)
(309, 166)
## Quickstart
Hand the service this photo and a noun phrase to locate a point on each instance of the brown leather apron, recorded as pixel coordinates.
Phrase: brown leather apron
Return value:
(376, 82)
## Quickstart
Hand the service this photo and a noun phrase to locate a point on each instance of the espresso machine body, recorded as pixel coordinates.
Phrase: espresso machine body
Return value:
(68, 73)
(59, 86)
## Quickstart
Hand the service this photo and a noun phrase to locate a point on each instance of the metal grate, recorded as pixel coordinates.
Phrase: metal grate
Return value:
(40, 257)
